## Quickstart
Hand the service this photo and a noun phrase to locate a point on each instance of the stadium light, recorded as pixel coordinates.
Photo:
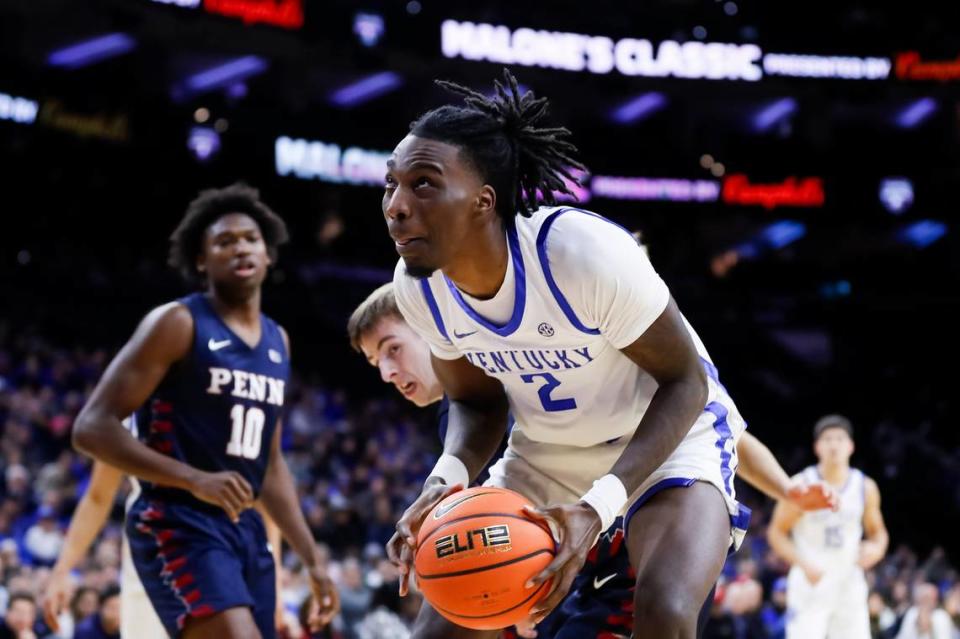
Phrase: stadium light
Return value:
(91, 51)
(639, 108)
(366, 89)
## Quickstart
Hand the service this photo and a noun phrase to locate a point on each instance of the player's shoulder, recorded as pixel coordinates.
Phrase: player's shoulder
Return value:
(578, 234)
(173, 316)
(165, 332)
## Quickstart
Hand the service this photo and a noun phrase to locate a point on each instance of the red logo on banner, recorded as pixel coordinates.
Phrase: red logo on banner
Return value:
(910, 66)
(737, 189)
(280, 13)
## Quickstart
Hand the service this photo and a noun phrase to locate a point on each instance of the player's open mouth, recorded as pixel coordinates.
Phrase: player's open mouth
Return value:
(408, 244)
(244, 269)
(408, 389)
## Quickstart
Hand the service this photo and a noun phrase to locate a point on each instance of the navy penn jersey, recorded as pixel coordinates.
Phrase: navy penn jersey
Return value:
(218, 408)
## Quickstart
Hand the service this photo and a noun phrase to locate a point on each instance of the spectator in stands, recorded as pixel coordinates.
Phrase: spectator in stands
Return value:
(774, 613)
(105, 622)
(84, 604)
(355, 597)
(383, 620)
(20, 618)
(925, 619)
(45, 538)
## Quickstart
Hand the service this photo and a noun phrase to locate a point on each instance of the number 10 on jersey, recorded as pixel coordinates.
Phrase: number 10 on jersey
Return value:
(246, 433)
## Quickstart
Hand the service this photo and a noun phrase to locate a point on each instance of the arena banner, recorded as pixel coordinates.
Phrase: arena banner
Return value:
(600, 54)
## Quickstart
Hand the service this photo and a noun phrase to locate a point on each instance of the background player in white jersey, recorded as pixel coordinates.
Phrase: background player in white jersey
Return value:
(559, 319)
(828, 551)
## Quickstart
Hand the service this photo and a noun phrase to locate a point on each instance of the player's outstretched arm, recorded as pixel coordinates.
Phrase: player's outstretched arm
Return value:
(279, 498)
(759, 468)
(87, 522)
(667, 353)
(477, 421)
(163, 338)
(874, 547)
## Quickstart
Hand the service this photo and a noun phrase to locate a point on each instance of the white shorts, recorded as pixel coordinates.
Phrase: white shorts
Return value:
(834, 608)
(138, 619)
(551, 474)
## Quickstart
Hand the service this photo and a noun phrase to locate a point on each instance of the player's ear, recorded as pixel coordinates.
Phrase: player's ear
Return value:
(486, 201)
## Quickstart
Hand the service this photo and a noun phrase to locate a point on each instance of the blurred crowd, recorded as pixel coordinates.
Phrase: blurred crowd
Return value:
(357, 462)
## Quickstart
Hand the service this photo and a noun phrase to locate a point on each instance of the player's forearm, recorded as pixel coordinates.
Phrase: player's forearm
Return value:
(279, 498)
(783, 546)
(670, 416)
(760, 468)
(474, 433)
(103, 437)
(880, 539)
(86, 524)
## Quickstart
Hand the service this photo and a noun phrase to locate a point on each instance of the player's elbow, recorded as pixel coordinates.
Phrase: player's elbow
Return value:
(84, 436)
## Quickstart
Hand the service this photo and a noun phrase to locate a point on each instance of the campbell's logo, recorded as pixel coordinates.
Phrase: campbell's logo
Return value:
(489, 537)
(280, 13)
(737, 189)
(910, 66)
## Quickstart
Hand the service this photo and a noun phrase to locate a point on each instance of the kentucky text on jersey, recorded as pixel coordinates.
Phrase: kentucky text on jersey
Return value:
(246, 385)
(521, 360)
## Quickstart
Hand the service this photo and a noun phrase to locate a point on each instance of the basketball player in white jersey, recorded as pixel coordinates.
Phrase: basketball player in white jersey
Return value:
(556, 316)
(829, 551)
(378, 331)
(138, 619)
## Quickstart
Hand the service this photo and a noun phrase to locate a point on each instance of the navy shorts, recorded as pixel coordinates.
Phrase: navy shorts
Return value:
(194, 562)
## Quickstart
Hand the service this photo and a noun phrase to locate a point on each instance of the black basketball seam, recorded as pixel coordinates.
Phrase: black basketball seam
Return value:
(471, 571)
(494, 614)
(465, 518)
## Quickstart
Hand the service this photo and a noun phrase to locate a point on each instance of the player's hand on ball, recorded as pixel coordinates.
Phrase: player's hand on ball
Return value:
(326, 600)
(55, 599)
(813, 496)
(403, 544)
(579, 525)
(226, 489)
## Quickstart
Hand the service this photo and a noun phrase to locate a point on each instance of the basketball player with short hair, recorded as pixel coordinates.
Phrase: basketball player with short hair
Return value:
(206, 377)
(485, 287)
(604, 587)
(829, 550)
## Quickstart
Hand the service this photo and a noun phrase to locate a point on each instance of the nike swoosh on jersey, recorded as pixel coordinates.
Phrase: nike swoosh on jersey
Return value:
(462, 335)
(274, 356)
(598, 583)
(443, 510)
(214, 345)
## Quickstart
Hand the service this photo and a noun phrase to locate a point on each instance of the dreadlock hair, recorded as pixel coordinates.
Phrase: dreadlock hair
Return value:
(186, 242)
(525, 164)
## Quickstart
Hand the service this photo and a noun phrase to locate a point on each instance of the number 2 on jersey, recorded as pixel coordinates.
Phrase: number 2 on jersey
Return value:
(246, 432)
(550, 404)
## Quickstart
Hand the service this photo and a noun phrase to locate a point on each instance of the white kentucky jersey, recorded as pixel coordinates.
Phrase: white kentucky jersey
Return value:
(578, 288)
(832, 539)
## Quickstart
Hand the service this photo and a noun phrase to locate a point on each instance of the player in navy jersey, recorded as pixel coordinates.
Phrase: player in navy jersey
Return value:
(206, 376)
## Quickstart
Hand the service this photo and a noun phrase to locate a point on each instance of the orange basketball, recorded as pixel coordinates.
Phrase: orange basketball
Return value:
(475, 552)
